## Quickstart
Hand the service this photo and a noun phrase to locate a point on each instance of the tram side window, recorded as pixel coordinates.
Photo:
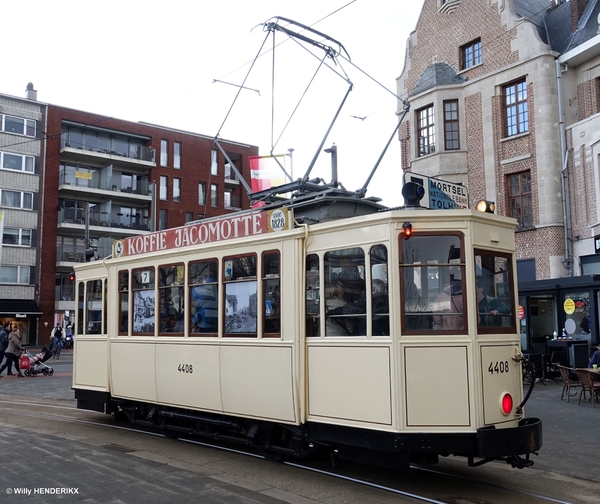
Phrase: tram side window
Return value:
(171, 298)
(380, 324)
(204, 300)
(272, 293)
(142, 285)
(312, 296)
(239, 275)
(93, 308)
(80, 308)
(105, 307)
(495, 288)
(345, 291)
(123, 302)
(432, 283)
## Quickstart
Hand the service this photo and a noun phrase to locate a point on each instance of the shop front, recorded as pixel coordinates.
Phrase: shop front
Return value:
(24, 314)
(561, 312)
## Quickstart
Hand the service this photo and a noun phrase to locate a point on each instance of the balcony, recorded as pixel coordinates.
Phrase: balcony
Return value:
(103, 222)
(132, 156)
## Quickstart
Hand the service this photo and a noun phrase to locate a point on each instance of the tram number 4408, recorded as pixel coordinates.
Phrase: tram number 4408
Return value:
(498, 367)
(185, 368)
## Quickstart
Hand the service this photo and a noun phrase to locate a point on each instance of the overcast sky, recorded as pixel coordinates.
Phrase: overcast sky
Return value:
(156, 61)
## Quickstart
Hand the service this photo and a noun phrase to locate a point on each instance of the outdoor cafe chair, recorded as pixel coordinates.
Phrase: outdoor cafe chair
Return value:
(568, 382)
(588, 384)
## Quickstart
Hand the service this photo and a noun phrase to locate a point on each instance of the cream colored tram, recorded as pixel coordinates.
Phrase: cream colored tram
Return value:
(334, 326)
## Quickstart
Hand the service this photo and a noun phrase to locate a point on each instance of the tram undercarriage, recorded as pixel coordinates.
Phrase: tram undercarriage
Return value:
(277, 442)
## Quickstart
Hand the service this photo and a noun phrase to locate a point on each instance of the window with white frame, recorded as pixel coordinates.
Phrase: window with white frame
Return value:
(426, 131)
(214, 166)
(470, 54)
(17, 125)
(17, 162)
(227, 199)
(177, 189)
(214, 195)
(177, 155)
(201, 193)
(16, 199)
(164, 153)
(163, 187)
(15, 236)
(516, 108)
(15, 274)
(162, 220)
(451, 125)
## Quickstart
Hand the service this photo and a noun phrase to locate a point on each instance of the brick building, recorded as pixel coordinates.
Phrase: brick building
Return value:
(98, 179)
(505, 99)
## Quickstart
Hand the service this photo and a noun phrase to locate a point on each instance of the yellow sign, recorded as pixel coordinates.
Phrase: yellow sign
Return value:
(569, 306)
(84, 175)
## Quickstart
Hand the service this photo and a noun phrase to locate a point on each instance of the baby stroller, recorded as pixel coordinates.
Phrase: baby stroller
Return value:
(31, 365)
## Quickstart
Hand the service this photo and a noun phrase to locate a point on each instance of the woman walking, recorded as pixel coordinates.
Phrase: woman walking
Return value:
(12, 352)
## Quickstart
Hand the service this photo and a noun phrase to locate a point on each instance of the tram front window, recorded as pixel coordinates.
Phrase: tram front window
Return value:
(433, 281)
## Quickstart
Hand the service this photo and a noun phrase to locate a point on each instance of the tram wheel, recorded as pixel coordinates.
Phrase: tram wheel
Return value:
(170, 434)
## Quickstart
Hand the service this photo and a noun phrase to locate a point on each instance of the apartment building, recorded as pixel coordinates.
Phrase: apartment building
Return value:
(21, 167)
(505, 99)
(98, 179)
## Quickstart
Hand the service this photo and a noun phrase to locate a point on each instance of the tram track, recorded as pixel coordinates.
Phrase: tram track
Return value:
(441, 484)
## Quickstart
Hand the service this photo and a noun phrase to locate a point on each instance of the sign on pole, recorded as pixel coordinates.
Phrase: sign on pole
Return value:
(440, 194)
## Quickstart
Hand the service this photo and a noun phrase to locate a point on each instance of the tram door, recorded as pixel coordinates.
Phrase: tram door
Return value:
(348, 342)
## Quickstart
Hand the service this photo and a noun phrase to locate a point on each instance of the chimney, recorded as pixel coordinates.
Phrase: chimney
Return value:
(577, 8)
(31, 93)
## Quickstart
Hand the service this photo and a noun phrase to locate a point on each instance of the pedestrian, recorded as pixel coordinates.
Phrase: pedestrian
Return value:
(4, 332)
(13, 351)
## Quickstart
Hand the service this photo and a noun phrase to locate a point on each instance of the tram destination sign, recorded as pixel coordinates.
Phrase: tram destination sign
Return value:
(440, 194)
(225, 228)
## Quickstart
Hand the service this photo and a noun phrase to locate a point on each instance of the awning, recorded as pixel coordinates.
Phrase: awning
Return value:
(16, 307)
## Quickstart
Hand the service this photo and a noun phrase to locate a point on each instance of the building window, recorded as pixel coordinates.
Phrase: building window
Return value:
(177, 155)
(425, 131)
(17, 125)
(15, 274)
(163, 188)
(162, 220)
(470, 54)
(451, 125)
(214, 166)
(13, 236)
(16, 162)
(519, 198)
(214, 196)
(16, 199)
(164, 153)
(177, 189)
(189, 216)
(201, 193)
(515, 102)
(227, 199)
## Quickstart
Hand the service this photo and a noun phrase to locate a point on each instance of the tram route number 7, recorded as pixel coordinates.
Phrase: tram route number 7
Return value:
(185, 368)
(498, 367)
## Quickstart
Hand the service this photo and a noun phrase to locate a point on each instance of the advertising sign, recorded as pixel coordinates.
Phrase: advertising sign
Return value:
(440, 194)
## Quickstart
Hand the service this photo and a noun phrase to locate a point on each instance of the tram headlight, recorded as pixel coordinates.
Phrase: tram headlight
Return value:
(506, 403)
(407, 230)
(486, 206)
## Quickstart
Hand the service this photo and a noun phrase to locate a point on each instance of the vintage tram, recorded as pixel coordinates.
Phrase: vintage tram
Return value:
(323, 322)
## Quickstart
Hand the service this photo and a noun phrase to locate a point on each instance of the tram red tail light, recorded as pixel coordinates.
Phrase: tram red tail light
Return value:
(407, 230)
(507, 403)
